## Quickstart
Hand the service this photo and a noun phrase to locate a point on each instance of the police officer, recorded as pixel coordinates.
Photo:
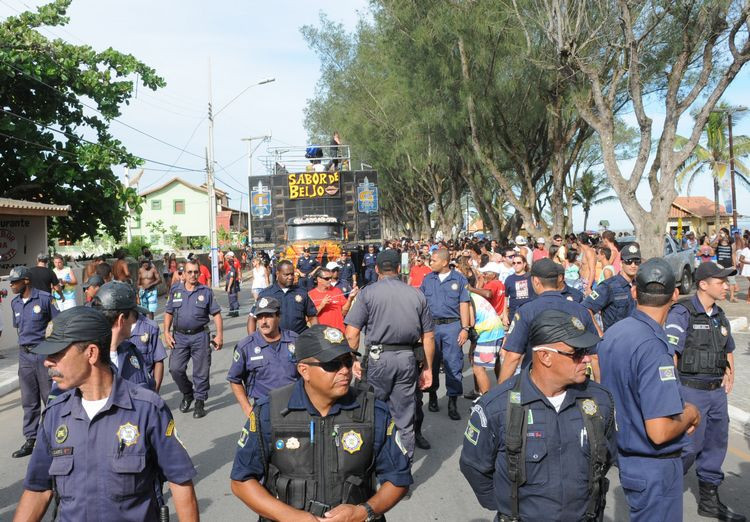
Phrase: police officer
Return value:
(337, 281)
(310, 449)
(368, 262)
(532, 442)
(91, 287)
(545, 279)
(190, 307)
(105, 441)
(447, 294)
(32, 310)
(232, 286)
(612, 296)
(570, 293)
(146, 336)
(699, 333)
(297, 309)
(652, 419)
(400, 345)
(348, 272)
(264, 360)
(305, 265)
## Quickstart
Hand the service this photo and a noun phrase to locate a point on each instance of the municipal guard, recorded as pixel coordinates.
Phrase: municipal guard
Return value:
(90, 287)
(305, 266)
(146, 336)
(612, 296)
(699, 333)
(652, 419)
(264, 360)
(348, 270)
(314, 448)
(189, 309)
(400, 344)
(297, 309)
(104, 442)
(368, 262)
(545, 279)
(534, 441)
(232, 285)
(337, 281)
(447, 294)
(32, 310)
(570, 293)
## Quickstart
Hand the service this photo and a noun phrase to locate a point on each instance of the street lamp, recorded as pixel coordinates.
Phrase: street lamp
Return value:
(729, 112)
(250, 152)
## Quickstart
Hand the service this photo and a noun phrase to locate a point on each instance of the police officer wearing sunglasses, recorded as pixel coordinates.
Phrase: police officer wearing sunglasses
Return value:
(612, 296)
(538, 446)
(316, 447)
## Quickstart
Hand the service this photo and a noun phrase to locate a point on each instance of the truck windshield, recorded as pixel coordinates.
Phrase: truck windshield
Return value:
(314, 231)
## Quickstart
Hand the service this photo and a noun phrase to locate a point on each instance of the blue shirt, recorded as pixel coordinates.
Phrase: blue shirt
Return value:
(347, 271)
(677, 325)
(443, 298)
(191, 309)
(369, 260)
(296, 306)
(232, 275)
(31, 318)
(145, 336)
(262, 366)
(637, 368)
(306, 264)
(131, 366)
(557, 450)
(391, 463)
(612, 298)
(572, 294)
(106, 468)
(516, 340)
(519, 291)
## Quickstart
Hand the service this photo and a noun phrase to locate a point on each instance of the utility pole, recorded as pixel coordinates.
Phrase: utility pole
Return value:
(250, 152)
(210, 186)
(731, 171)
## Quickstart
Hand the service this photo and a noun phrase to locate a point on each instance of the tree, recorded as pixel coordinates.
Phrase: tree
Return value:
(591, 190)
(55, 147)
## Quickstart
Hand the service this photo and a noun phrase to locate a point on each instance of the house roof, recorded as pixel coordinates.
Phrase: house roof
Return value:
(201, 188)
(31, 208)
(694, 206)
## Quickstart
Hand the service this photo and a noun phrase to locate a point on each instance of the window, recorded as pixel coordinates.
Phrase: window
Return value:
(155, 204)
(178, 206)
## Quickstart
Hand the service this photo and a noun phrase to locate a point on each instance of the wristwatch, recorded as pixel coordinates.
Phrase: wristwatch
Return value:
(466, 328)
(371, 515)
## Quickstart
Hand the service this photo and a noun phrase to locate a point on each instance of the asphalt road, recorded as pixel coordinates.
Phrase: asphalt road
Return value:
(440, 492)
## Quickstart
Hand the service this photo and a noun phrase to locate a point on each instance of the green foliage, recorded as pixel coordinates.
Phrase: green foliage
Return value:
(135, 246)
(223, 234)
(592, 189)
(199, 242)
(174, 237)
(45, 156)
(156, 230)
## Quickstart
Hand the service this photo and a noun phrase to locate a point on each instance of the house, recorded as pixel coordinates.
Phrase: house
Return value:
(696, 214)
(184, 205)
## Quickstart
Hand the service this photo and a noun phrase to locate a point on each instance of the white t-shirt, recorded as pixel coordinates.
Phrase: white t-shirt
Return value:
(93, 407)
(444, 276)
(745, 271)
(557, 400)
(113, 358)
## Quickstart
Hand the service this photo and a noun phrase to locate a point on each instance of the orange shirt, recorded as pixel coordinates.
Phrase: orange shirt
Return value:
(331, 314)
(498, 294)
(417, 274)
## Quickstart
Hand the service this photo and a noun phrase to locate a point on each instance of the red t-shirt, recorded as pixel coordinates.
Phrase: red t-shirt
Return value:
(332, 314)
(205, 275)
(539, 253)
(416, 276)
(498, 294)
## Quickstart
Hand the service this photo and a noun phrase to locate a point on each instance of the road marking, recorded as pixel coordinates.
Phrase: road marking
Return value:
(739, 453)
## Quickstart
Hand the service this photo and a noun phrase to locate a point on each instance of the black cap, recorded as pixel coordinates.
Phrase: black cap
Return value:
(116, 295)
(546, 268)
(632, 251)
(655, 270)
(80, 323)
(42, 256)
(388, 260)
(554, 326)
(267, 305)
(18, 273)
(324, 343)
(711, 269)
(94, 280)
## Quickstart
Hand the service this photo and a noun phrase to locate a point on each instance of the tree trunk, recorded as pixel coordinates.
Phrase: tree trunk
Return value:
(717, 208)
(585, 220)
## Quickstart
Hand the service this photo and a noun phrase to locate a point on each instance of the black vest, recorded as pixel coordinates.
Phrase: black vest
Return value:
(336, 467)
(705, 349)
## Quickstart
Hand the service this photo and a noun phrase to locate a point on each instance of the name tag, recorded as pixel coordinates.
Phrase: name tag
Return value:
(256, 358)
(701, 327)
(60, 452)
(622, 296)
(176, 300)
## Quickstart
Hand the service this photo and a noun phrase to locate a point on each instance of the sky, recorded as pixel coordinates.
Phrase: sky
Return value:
(247, 42)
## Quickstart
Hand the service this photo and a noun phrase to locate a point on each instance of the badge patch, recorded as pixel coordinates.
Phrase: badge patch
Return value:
(724, 331)
(257, 349)
(589, 407)
(471, 434)
(480, 413)
(243, 438)
(515, 397)
(577, 323)
(632, 249)
(61, 434)
(292, 443)
(389, 431)
(673, 339)
(48, 331)
(352, 441)
(134, 362)
(291, 348)
(569, 298)
(201, 298)
(333, 335)
(37, 309)
(236, 355)
(263, 303)
(128, 434)
(144, 337)
(170, 428)
(454, 286)
(666, 373)
(279, 444)
(252, 421)
(594, 295)
(530, 417)
(298, 298)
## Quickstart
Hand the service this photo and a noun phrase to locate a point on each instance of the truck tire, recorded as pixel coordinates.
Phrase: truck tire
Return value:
(686, 283)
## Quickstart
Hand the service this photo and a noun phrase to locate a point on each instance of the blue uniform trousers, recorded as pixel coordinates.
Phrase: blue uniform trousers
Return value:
(652, 487)
(452, 355)
(370, 275)
(707, 447)
(234, 302)
(195, 347)
(35, 384)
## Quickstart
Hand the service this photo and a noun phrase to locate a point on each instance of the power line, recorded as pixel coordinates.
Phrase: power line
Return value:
(179, 155)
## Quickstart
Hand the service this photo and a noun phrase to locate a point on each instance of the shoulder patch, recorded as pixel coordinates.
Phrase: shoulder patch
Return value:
(472, 433)
(666, 373)
(594, 295)
(480, 413)
(673, 339)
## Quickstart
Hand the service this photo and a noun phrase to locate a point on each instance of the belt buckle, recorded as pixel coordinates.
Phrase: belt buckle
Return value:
(375, 351)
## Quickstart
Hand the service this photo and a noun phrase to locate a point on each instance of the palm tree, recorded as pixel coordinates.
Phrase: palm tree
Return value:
(713, 156)
(591, 189)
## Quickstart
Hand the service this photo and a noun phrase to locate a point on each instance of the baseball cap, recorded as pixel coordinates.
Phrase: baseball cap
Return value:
(520, 240)
(711, 269)
(267, 305)
(229, 254)
(388, 260)
(546, 268)
(555, 326)
(490, 267)
(632, 251)
(80, 323)
(324, 343)
(94, 280)
(18, 273)
(42, 256)
(116, 295)
(541, 240)
(333, 265)
(655, 270)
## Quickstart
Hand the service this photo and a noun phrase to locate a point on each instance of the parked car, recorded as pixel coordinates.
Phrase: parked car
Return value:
(681, 260)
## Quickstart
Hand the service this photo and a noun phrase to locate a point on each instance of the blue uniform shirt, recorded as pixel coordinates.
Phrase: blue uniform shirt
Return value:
(307, 264)
(131, 366)
(557, 467)
(191, 310)
(296, 306)
(232, 275)
(347, 271)
(516, 340)
(145, 337)
(444, 297)
(369, 260)
(391, 463)
(31, 318)
(637, 368)
(105, 468)
(612, 298)
(572, 294)
(261, 366)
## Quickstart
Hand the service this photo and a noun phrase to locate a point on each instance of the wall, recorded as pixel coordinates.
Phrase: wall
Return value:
(21, 239)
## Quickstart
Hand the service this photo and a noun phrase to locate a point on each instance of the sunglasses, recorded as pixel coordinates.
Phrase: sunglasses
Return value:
(324, 278)
(577, 355)
(334, 365)
(635, 262)
(517, 262)
(193, 271)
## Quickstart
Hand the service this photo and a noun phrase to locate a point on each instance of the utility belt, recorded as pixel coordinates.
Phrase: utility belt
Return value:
(186, 331)
(672, 455)
(446, 321)
(699, 384)
(27, 347)
(374, 350)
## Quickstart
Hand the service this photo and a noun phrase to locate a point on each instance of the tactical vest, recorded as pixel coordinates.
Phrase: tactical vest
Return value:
(705, 350)
(515, 454)
(328, 460)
